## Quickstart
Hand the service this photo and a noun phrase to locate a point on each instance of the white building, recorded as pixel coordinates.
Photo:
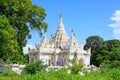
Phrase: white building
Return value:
(59, 49)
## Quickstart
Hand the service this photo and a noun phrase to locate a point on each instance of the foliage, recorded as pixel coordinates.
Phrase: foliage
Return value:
(93, 42)
(105, 53)
(109, 54)
(20, 17)
(33, 67)
(76, 67)
(26, 58)
(8, 42)
(104, 74)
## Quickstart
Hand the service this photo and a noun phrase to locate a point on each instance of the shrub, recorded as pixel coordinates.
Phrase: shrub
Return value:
(76, 68)
(33, 67)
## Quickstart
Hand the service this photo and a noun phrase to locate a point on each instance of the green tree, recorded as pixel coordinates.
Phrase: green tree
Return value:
(8, 41)
(26, 58)
(22, 16)
(109, 54)
(93, 42)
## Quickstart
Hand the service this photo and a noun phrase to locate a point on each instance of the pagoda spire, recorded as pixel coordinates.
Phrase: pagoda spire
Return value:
(61, 28)
(60, 17)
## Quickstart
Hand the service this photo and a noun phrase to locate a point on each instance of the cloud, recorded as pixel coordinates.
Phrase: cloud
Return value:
(116, 24)
(25, 49)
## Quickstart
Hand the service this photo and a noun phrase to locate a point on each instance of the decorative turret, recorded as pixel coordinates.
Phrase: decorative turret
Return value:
(73, 34)
(73, 40)
(44, 40)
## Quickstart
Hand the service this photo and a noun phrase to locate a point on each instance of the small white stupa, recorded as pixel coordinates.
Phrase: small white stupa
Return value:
(59, 49)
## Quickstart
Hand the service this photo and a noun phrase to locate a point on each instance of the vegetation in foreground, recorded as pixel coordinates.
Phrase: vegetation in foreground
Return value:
(104, 74)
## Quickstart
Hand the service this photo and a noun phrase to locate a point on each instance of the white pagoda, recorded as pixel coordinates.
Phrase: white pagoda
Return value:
(60, 49)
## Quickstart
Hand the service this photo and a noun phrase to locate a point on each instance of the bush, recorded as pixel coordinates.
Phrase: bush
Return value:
(115, 64)
(76, 67)
(33, 67)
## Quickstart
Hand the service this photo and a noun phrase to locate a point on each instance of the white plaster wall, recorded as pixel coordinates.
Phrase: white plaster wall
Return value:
(71, 56)
(14, 68)
(87, 60)
(45, 58)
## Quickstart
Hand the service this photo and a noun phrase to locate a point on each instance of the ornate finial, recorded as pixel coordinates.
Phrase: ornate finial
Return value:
(72, 30)
(60, 18)
(74, 34)
(60, 15)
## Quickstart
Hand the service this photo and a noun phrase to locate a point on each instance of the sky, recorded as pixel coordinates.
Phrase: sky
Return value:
(86, 17)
